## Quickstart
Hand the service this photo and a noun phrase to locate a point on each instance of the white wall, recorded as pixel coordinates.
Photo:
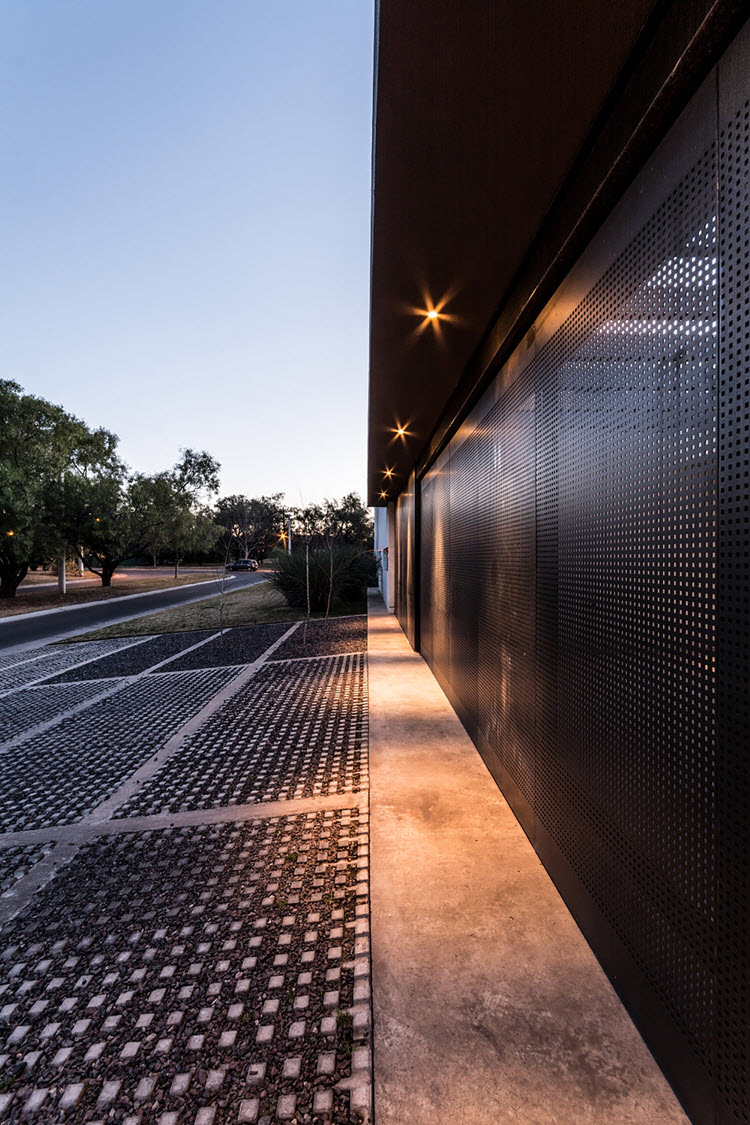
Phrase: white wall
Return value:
(383, 550)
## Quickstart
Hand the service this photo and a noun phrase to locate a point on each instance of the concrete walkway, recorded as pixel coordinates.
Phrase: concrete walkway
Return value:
(489, 1006)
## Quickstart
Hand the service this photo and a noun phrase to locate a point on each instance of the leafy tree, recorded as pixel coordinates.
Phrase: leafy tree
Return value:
(252, 525)
(336, 536)
(47, 457)
(152, 514)
(113, 524)
(351, 519)
(187, 524)
(187, 528)
(327, 527)
(196, 472)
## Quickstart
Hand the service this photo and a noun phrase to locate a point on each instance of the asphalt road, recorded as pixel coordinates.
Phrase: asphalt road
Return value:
(32, 629)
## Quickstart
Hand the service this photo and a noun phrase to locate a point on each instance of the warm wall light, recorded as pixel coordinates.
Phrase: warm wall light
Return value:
(400, 431)
(388, 472)
(383, 495)
(432, 314)
(11, 533)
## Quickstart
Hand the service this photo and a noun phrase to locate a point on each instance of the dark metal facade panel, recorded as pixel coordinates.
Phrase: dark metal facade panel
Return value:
(437, 566)
(733, 596)
(584, 593)
(406, 560)
(461, 617)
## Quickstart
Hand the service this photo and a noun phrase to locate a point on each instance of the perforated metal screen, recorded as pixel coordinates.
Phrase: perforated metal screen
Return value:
(584, 592)
(405, 560)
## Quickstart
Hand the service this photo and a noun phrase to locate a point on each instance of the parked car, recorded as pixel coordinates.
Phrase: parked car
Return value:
(243, 564)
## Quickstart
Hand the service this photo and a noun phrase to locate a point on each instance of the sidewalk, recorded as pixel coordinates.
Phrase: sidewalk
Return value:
(489, 1005)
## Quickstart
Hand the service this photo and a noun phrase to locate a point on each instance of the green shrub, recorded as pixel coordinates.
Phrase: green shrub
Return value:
(353, 572)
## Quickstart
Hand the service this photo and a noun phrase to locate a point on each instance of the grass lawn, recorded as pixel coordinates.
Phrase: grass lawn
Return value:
(80, 593)
(254, 605)
(45, 577)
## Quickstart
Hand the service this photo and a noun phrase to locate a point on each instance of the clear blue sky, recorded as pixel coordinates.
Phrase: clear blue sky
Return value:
(184, 228)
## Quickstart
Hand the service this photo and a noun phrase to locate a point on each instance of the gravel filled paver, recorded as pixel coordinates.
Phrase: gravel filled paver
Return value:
(324, 638)
(16, 861)
(235, 646)
(222, 968)
(201, 974)
(25, 708)
(294, 731)
(56, 659)
(131, 661)
(60, 775)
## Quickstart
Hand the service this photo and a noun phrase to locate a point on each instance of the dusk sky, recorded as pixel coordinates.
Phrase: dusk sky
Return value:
(184, 223)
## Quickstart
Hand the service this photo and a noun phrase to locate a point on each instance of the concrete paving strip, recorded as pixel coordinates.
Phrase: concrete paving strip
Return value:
(113, 689)
(230, 814)
(489, 1005)
(20, 895)
(40, 874)
(21, 659)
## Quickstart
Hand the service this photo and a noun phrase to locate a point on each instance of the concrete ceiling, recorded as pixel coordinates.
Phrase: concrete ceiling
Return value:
(480, 109)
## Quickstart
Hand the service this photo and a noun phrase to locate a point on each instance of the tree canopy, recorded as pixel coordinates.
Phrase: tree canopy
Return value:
(252, 525)
(63, 487)
(48, 458)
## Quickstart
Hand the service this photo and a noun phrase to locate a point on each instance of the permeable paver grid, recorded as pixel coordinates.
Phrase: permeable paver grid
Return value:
(26, 668)
(58, 776)
(192, 968)
(27, 707)
(209, 961)
(294, 731)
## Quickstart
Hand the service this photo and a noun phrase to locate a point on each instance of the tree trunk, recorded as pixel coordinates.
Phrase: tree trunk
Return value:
(108, 569)
(307, 587)
(11, 578)
(176, 564)
(330, 581)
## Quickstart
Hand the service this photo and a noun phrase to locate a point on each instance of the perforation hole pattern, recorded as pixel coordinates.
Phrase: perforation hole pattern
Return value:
(584, 602)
